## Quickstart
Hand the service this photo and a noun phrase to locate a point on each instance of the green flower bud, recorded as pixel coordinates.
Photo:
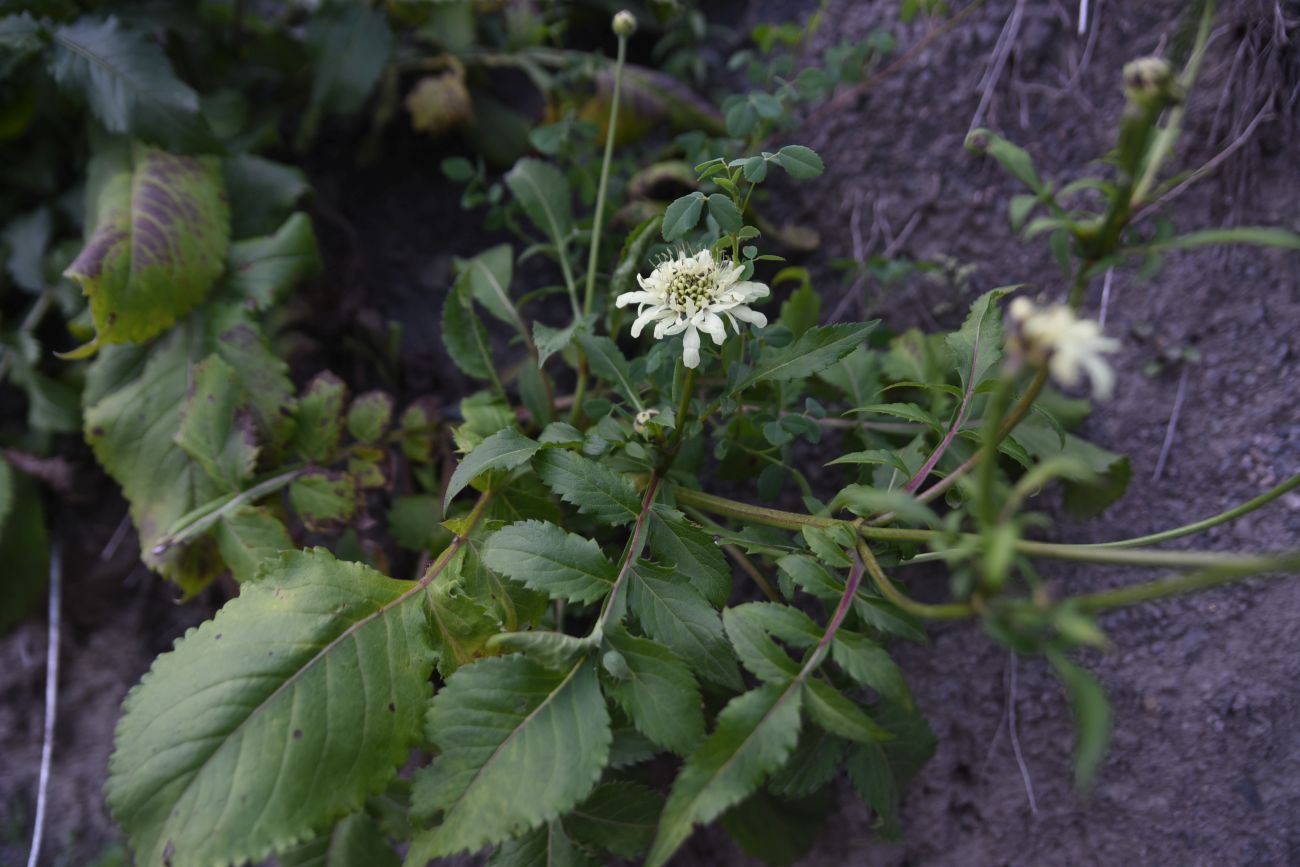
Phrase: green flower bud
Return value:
(1150, 80)
(624, 24)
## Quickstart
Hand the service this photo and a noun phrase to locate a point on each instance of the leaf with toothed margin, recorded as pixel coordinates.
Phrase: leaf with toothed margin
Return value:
(755, 735)
(131, 430)
(278, 716)
(593, 488)
(162, 229)
(216, 428)
(520, 746)
(247, 537)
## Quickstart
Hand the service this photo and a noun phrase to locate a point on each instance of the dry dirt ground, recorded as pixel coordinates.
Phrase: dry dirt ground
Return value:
(1205, 759)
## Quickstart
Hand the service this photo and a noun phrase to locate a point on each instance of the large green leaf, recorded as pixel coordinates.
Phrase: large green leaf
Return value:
(619, 817)
(249, 536)
(545, 558)
(692, 551)
(756, 733)
(595, 489)
(128, 83)
(672, 612)
(282, 713)
(131, 431)
(520, 745)
(816, 349)
(162, 229)
(547, 846)
(659, 692)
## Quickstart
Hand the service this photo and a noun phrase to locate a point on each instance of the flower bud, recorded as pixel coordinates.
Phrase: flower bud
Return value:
(643, 418)
(1150, 80)
(624, 24)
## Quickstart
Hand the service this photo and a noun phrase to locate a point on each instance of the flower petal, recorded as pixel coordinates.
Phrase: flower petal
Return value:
(638, 298)
(745, 314)
(691, 347)
(649, 315)
(711, 324)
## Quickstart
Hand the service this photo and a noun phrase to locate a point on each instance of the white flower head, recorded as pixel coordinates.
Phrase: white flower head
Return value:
(689, 294)
(1070, 346)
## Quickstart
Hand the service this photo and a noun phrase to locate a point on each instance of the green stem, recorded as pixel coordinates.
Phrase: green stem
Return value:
(589, 297)
(205, 521)
(1188, 529)
(1201, 580)
(988, 462)
(683, 409)
(747, 566)
(612, 609)
(955, 611)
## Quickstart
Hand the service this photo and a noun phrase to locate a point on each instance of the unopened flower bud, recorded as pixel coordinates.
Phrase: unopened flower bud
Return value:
(642, 419)
(1150, 80)
(624, 24)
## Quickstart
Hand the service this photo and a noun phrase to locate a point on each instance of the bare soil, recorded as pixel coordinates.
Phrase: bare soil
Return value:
(1205, 758)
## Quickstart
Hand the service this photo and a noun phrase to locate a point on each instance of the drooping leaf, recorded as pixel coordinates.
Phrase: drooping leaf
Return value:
(162, 229)
(674, 613)
(816, 349)
(355, 841)
(1091, 717)
(503, 450)
(520, 745)
(659, 693)
(870, 665)
(223, 745)
(128, 83)
(839, 715)
(677, 543)
(489, 275)
(249, 536)
(593, 488)
(463, 335)
(213, 429)
(263, 375)
(619, 817)
(544, 557)
(755, 734)
(459, 622)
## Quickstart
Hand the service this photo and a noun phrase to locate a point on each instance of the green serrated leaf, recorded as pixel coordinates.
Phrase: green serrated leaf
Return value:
(549, 340)
(816, 349)
(189, 779)
(263, 375)
(324, 499)
(213, 429)
(865, 500)
(128, 83)
(162, 229)
(520, 746)
(464, 337)
(672, 612)
(249, 536)
(320, 417)
(503, 450)
(132, 428)
(977, 346)
(678, 543)
(814, 763)
(545, 558)
(725, 213)
(659, 693)
(370, 415)
(460, 623)
(755, 734)
(873, 779)
(756, 650)
(840, 716)
(619, 817)
(593, 488)
(870, 665)
(546, 846)
(355, 841)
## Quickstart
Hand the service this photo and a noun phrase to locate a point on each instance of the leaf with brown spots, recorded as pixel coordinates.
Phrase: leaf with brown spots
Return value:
(162, 230)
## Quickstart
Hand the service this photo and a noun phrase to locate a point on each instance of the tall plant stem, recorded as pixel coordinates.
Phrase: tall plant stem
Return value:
(1201, 580)
(589, 297)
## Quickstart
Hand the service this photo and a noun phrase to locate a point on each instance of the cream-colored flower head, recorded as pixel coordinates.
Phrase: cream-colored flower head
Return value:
(1070, 346)
(689, 294)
